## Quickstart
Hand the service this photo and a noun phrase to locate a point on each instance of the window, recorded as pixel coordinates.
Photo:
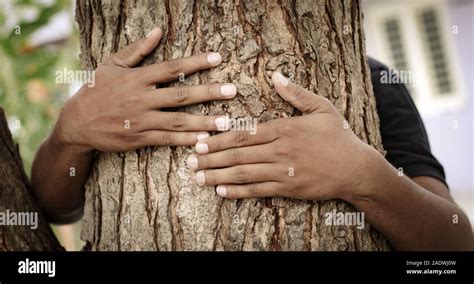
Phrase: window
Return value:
(417, 39)
(395, 41)
(397, 47)
(429, 23)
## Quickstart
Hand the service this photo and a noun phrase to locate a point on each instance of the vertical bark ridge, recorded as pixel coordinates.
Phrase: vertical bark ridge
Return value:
(17, 196)
(306, 41)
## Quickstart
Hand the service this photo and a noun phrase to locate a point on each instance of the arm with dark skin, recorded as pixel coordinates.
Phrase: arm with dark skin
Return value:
(121, 112)
(329, 161)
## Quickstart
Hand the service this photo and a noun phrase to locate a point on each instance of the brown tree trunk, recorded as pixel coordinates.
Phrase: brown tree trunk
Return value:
(148, 200)
(17, 197)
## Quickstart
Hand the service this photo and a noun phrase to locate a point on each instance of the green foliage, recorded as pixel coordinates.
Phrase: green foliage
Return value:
(28, 91)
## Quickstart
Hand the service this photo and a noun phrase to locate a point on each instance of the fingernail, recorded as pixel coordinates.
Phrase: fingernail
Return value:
(221, 190)
(202, 148)
(221, 123)
(202, 136)
(192, 162)
(228, 90)
(152, 32)
(282, 79)
(214, 58)
(200, 178)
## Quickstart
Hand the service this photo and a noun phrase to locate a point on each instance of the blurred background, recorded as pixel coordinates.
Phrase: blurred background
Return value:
(430, 38)
(434, 40)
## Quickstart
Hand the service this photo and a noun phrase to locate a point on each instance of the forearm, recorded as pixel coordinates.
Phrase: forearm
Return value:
(100, 118)
(410, 216)
(58, 174)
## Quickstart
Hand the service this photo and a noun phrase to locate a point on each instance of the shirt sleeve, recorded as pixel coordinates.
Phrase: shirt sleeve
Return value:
(403, 133)
(69, 218)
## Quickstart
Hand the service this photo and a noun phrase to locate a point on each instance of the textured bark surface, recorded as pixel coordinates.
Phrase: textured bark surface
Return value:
(148, 200)
(16, 196)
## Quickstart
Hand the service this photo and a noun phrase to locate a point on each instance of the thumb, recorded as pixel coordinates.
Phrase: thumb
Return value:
(134, 53)
(300, 98)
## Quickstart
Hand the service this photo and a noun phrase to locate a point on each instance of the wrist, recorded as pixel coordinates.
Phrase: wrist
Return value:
(61, 145)
(61, 140)
(366, 165)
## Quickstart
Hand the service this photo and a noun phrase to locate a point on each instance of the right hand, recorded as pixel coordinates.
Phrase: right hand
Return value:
(97, 117)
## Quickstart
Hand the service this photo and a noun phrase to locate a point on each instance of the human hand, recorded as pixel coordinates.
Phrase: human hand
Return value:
(315, 156)
(122, 110)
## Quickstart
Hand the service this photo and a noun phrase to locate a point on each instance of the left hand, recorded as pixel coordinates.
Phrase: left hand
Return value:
(315, 156)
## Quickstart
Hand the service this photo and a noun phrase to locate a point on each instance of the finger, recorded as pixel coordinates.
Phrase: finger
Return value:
(178, 121)
(134, 53)
(169, 138)
(238, 174)
(181, 96)
(302, 99)
(232, 157)
(253, 190)
(171, 70)
(264, 133)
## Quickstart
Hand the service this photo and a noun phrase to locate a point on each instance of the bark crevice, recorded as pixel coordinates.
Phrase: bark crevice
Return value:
(304, 40)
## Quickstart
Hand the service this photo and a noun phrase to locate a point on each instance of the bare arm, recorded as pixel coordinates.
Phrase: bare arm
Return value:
(329, 161)
(121, 112)
(58, 174)
(414, 214)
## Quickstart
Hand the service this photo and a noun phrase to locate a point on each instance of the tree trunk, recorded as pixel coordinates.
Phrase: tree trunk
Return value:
(148, 200)
(16, 197)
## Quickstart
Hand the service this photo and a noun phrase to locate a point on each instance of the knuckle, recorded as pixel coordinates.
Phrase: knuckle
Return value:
(241, 175)
(277, 190)
(140, 48)
(117, 60)
(256, 155)
(241, 138)
(253, 190)
(178, 121)
(174, 66)
(294, 191)
(321, 103)
(206, 122)
(141, 123)
(297, 93)
(282, 150)
(167, 138)
(181, 95)
(282, 153)
(213, 145)
(160, 123)
(236, 156)
(205, 162)
(131, 140)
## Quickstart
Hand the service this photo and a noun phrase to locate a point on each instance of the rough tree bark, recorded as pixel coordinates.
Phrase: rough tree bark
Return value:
(16, 196)
(148, 200)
